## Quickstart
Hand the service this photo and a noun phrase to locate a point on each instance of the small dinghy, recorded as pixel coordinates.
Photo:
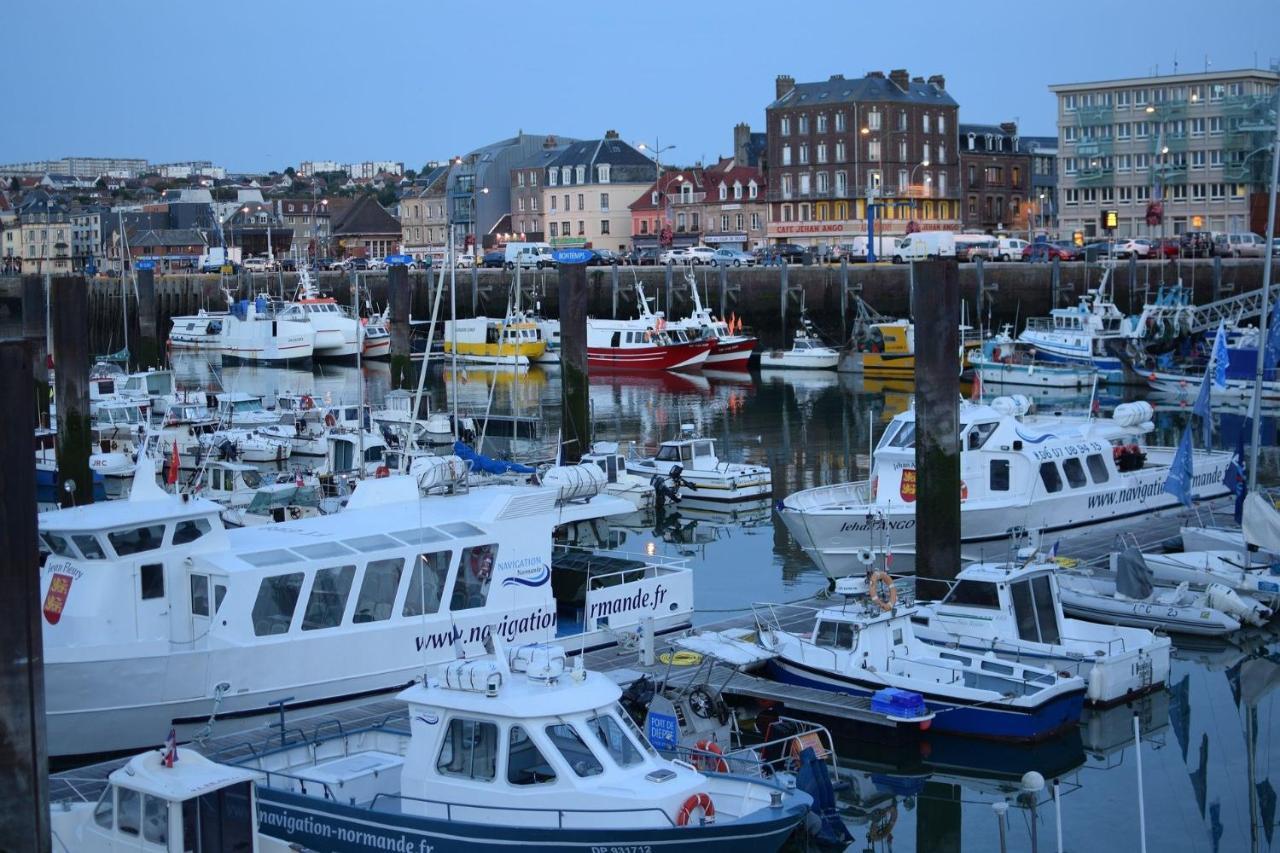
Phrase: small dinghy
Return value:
(1249, 579)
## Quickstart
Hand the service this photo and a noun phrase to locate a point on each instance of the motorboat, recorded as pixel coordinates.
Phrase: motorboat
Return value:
(1258, 534)
(503, 341)
(619, 482)
(732, 350)
(260, 331)
(1013, 610)
(234, 445)
(375, 337)
(239, 409)
(156, 616)
(1019, 365)
(645, 344)
(1018, 471)
(199, 331)
(500, 750)
(868, 644)
(336, 333)
(691, 460)
(1255, 579)
(807, 352)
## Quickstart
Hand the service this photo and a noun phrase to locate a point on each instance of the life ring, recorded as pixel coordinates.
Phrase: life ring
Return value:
(964, 491)
(383, 471)
(307, 403)
(681, 658)
(880, 580)
(330, 420)
(700, 800)
(708, 755)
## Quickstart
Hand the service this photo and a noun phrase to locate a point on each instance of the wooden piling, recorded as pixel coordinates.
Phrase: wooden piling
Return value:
(575, 431)
(33, 316)
(937, 375)
(24, 777)
(69, 304)
(147, 348)
(399, 298)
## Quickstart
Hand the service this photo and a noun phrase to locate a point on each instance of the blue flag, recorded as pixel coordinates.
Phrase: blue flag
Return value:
(1220, 357)
(1234, 478)
(1178, 483)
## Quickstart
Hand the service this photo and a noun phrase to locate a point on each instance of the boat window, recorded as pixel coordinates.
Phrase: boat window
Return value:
(616, 340)
(199, 595)
(525, 763)
(104, 813)
(219, 593)
(262, 559)
(376, 542)
(1097, 468)
(420, 536)
(668, 453)
(59, 545)
(425, 597)
(836, 635)
(576, 754)
(461, 529)
(1046, 613)
(252, 479)
(378, 590)
(137, 539)
(1024, 612)
(328, 599)
(190, 530)
(979, 434)
(890, 431)
(631, 726)
(702, 448)
(277, 598)
(974, 594)
(475, 570)
(322, 550)
(615, 740)
(1050, 477)
(89, 546)
(905, 437)
(128, 811)
(992, 666)
(155, 820)
(1074, 470)
(470, 750)
(152, 581)
(999, 475)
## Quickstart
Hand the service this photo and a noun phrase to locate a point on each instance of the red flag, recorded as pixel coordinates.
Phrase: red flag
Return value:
(977, 387)
(174, 464)
(170, 748)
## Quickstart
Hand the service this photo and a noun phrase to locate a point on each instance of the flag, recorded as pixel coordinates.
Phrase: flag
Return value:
(1234, 478)
(170, 748)
(1053, 552)
(976, 395)
(174, 464)
(1178, 483)
(1220, 357)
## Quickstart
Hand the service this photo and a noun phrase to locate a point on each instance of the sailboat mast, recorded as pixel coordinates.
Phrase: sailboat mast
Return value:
(1255, 439)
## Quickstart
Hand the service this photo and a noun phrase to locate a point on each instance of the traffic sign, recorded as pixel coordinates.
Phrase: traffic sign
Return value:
(572, 256)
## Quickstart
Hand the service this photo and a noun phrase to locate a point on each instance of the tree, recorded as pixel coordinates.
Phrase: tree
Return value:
(289, 170)
(101, 183)
(387, 196)
(410, 174)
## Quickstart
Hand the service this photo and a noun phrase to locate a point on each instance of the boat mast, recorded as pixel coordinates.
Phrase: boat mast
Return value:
(1256, 407)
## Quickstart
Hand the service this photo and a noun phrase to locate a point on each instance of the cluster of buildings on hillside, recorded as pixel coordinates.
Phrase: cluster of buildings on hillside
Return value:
(1165, 154)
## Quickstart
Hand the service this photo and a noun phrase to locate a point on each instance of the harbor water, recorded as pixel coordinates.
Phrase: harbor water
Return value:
(1206, 751)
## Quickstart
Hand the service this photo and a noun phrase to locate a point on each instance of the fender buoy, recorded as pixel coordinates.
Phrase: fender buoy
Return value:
(700, 800)
(964, 491)
(878, 581)
(383, 471)
(307, 403)
(330, 420)
(709, 756)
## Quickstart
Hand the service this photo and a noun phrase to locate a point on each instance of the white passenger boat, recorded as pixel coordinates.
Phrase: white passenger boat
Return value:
(1014, 611)
(1094, 333)
(691, 459)
(336, 332)
(155, 615)
(1017, 472)
(807, 352)
(499, 752)
(867, 645)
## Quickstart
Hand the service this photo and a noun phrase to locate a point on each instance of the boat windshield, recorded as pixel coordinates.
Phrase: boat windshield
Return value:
(569, 743)
(904, 438)
(253, 405)
(674, 452)
(614, 739)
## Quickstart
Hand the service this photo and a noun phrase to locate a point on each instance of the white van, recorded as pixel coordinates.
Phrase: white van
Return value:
(925, 244)
(1010, 249)
(528, 256)
(856, 249)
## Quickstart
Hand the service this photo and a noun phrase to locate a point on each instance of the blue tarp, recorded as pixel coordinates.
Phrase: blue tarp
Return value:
(486, 464)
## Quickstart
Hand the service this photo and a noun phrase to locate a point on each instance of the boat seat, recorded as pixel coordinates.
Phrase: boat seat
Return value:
(1172, 596)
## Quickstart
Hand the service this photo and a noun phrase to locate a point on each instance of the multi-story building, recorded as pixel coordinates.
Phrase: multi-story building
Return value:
(527, 178)
(370, 169)
(46, 238)
(87, 248)
(996, 178)
(832, 145)
(723, 205)
(79, 167)
(1170, 154)
(423, 220)
(588, 190)
(188, 168)
(308, 168)
(1044, 182)
(308, 218)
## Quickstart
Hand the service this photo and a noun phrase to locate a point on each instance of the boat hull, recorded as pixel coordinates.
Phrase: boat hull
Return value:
(730, 355)
(649, 359)
(1035, 375)
(785, 360)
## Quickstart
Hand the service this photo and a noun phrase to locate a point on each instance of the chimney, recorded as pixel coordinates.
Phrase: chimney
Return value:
(900, 78)
(917, 79)
(835, 77)
(782, 85)
(1010, 128)
(611, 134)
(875, 75)
(741, 142)
(549, 142)
(939, 81)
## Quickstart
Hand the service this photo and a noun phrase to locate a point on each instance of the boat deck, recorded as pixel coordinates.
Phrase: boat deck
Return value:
(622, 663)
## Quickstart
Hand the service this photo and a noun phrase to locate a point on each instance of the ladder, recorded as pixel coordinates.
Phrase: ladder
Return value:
(1190, 319)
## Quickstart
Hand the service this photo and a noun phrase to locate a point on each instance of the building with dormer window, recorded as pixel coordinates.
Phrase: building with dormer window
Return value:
(587, 190)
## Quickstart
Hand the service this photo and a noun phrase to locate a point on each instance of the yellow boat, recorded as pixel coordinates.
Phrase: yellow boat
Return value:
(489, 340)
(889, 351)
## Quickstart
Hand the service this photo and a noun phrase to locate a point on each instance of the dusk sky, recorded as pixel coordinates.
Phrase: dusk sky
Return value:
(262, 85)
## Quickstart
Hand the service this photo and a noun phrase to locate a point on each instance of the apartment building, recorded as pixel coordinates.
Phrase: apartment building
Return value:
(996, 175)
(588, 190)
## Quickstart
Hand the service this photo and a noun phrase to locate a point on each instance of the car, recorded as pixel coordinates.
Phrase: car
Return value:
(725, 257)
(495, 260)
(675, 256)
(420, 263)
(1162, 249)
(464, 262)
(335, 264)
(647, 256)
(1132, 248)
(288, 264)
(1240, 245)
(377, 264)
(1010, 248)
(1197, 244)
(971, 250)
(604, 258)
(1046, 251)
(259, 264)
(779, 252)
(1275, 247)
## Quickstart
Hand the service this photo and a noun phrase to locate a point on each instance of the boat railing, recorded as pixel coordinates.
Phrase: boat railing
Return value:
(387, 800)
(1005, 648)
(829, 497)
(1113, 646)
(653, 564)
(770, 756)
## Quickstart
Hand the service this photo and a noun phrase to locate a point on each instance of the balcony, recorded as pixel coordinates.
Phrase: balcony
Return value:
(1094, 177)
(1168, 173)
(1086, 116)
(1095, 147)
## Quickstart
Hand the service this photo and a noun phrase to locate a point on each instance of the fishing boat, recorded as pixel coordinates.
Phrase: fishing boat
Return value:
(336, 334)
(157, 616)
(808, 352)
(510, 749)
(732, 349)
(641, 346)
(375, 337)
(1094, 333)
(259, 331)
(1018, 472)
(691, 460)
(202, 330)
(868, 644)
(1013, 610)
(503, 341)
(1020, 365)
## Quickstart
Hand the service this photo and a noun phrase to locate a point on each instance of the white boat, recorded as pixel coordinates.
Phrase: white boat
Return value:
(807, 352)
(862, 647)
(239, 409)
(156, 616)
(375, 338)
(499, 752)
(235, 445)
(259, 331)
(619, 482)
(1185, 385)
(691, 460)
(1013, 610)
(336, 332)
(1018, 365)
(1017, 471)
(1247, 577)
(202, 330)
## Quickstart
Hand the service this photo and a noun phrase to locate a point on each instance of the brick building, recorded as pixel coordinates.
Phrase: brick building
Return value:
(832, 144)
(996, 174)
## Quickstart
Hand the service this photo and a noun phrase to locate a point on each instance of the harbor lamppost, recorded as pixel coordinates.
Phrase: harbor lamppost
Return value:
(657, 180)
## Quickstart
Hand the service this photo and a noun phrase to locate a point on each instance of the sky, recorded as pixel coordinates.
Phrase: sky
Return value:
(261, 85)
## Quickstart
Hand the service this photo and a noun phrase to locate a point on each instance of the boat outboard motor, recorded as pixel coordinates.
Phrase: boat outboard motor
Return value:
(662, 491)
(823, 821)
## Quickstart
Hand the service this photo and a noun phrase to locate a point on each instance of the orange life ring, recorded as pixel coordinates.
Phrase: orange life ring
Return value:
(383, 471)
(880, 579)
(307, 402)
(330, 420)
(700, 800)
(703, 759)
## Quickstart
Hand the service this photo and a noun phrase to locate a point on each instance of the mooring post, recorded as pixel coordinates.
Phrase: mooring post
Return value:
(24, 781)
(613, 284)
(784, 302)
(35, 330)
(398, 299)
(575, 427)
(70, 306)
(1217, 280)
(937, 476)
(475, 290)
(670, 274)
(147, 345)
(1055, 281)
(724, 290)
(981, 268)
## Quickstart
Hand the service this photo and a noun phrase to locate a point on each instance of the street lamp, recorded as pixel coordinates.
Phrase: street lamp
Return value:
(657, 173)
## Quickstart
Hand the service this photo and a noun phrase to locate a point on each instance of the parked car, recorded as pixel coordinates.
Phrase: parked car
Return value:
(1240, 245)
(288, 264)
(334, 264)
(421, 263)
(1098, 249)
(1046, 251)
(496, 259)
(1010, 248)
(971, 250)
(1167, 247)
(701, 255)
(675, 256)
(1132, 248)
(377, 264)
(464, 262)
(724, 257)
(642, 257)
(529, 255)
(1275, 247)
(258, 264)
(1197, 244)
(779, 252)
(358, 263)
(925, 244)
(604, 258)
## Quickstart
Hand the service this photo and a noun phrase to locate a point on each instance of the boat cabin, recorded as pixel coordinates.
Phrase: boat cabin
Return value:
(991, 601)
(239, 406)
(692, 452)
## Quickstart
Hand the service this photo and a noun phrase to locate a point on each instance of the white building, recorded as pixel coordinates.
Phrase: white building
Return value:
(307, 168)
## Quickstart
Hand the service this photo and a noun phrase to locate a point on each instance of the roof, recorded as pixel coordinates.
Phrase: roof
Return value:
(627, 164)
(167, 237)
(365, 216)
(521, 697)
(111, 514)
(1198, 77)
(1040, 143)
(192, 774)
(838, 90)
